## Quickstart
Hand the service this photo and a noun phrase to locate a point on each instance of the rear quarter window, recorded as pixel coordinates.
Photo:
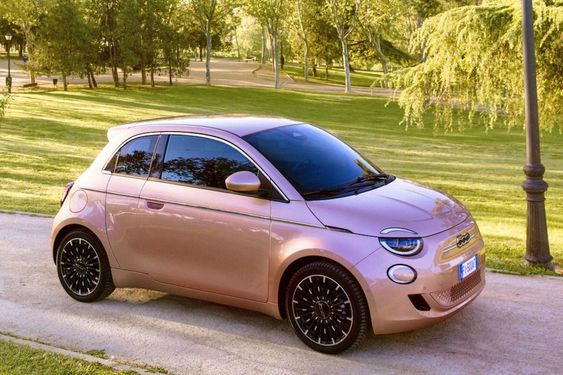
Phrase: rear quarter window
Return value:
(134, 158)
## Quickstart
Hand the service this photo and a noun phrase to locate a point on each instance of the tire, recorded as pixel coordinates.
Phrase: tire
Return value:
(83, 267)
(327, 308)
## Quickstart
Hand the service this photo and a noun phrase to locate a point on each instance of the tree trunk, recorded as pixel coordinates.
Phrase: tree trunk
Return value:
(152, 76)
(114, 73)
(346, 64)
(263, 52)
(306, 62)
(170, 69)
(208, 55)
(143, 71)
(93, 77)
(178, 64)
(276, 61)
(382, 59)
(29, 50)
(65, 83)
(273, 55)
(89, 78)
(238, 46)
(124, 77)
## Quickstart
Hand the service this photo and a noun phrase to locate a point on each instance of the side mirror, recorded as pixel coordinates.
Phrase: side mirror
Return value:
(243, 181)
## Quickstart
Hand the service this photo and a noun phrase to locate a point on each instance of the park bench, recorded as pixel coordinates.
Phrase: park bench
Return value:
(29, 85)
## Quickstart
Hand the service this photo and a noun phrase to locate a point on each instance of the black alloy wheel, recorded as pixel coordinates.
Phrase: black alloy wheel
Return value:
(83, 268)
(327, 308)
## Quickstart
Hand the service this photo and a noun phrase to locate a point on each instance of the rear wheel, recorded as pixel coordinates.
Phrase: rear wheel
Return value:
(327, 308)
(83, 267)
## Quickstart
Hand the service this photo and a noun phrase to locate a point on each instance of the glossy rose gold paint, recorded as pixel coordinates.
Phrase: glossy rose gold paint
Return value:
(232, 248)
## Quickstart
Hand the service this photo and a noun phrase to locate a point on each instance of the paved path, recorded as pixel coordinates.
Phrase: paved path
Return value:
(514, 327)
(224, 72)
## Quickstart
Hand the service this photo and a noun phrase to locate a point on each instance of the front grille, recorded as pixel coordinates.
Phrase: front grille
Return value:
(458, 292)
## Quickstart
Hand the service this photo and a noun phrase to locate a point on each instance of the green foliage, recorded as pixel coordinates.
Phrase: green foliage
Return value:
(62, 44)
(4, 102)
(473, 61)
(325, 44)
(249, 36)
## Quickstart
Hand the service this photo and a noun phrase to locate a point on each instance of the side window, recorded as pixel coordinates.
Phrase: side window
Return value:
(134, 158)
(202, 161)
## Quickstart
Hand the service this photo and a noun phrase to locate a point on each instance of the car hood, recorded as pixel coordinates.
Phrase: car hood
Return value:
(401, 203)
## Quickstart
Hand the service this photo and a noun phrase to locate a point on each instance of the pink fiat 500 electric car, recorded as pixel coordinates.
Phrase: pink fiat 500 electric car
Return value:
(271, 215)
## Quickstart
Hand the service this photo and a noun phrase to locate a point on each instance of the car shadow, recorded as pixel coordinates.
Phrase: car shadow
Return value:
(259, 327)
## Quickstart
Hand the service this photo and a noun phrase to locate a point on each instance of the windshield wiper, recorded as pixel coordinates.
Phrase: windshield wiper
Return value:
(373, 177)
(358, 183)
(325, 192)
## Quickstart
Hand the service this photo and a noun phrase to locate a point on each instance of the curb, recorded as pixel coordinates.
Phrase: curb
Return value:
(68, 353)
(24, 213)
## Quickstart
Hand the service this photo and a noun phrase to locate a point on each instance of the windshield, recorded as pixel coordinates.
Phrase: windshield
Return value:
(318, 165)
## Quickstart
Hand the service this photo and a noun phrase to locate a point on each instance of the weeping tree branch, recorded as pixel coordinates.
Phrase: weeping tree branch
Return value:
(473, 62)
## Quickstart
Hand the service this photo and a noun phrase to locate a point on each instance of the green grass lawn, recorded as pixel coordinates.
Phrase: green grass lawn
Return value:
(49, 138)
(16, 359)
(363, 78)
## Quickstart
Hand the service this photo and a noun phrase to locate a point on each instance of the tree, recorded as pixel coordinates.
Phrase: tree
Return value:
(303, 14)
(154, 17)
(26, 14)
(104, 14)
(343, 16)
(377, 20)
(62, 42)
(271, 14)
(473, 62)
(208, 13)
(324, 39)
(178, 37)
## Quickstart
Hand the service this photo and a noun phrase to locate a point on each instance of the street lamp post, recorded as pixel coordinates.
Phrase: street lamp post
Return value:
(8, 37)
(537, 244)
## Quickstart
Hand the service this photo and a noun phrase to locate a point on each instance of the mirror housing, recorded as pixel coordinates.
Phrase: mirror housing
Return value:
(243, 182)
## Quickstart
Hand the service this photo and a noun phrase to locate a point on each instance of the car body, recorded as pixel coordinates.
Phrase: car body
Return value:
(157, 226)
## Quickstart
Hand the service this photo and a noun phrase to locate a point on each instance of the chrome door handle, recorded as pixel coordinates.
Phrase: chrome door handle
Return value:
(154, 205)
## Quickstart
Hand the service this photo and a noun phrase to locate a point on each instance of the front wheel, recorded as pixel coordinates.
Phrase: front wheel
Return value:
(327, 308)
(83, 267)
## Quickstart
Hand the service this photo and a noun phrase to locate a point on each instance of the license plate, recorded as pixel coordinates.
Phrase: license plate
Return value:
(468, 267)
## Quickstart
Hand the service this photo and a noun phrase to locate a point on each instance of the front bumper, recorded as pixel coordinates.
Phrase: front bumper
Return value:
(437, 282)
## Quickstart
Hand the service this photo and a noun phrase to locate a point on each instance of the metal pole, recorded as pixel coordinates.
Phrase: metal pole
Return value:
(537, 245)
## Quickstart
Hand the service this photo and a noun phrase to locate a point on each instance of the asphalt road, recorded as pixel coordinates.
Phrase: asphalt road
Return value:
(514, 327)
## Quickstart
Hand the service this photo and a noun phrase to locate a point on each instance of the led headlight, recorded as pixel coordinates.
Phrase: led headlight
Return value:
(402, 246)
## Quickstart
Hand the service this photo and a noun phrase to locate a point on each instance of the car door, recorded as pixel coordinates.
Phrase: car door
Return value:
(193, 231)
(129, 170)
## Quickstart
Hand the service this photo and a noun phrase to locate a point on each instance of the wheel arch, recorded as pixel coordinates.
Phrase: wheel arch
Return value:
(66, 230)
(301, 262)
